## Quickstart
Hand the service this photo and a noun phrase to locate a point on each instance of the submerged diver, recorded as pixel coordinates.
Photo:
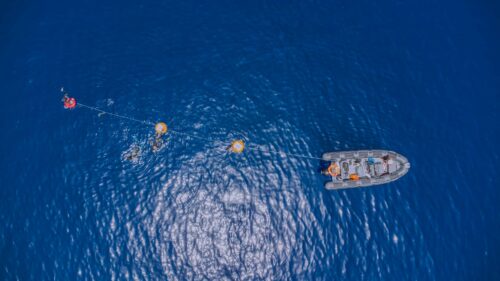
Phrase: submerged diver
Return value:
(133, 154)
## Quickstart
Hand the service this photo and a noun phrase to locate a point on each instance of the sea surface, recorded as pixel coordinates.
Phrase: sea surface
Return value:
(302, 77)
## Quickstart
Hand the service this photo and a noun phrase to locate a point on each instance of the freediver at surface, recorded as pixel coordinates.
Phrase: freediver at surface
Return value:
(133, 154)
(156, 143)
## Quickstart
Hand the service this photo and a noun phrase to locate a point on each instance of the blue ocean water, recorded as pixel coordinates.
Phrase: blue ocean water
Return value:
(417, 77)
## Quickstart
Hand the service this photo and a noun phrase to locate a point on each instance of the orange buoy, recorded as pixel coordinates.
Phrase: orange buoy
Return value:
(69, 103)
(354, 177)
(237, 146)
(161, 128)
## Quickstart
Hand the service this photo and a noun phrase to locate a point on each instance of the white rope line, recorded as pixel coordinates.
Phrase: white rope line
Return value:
(114, 114)
(250, 146)
(186, 134)
(256, 147)
(303, 156)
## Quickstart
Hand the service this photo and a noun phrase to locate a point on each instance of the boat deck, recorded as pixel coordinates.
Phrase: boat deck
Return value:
(365, 168)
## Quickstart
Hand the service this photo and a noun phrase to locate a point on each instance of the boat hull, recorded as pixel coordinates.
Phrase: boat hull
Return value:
(397, 168)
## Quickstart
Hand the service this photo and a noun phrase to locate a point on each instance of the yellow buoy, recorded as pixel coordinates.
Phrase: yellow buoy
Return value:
(161, 128)
(237, 146)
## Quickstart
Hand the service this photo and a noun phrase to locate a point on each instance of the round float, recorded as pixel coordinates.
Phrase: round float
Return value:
(237, 146)
(161, 128)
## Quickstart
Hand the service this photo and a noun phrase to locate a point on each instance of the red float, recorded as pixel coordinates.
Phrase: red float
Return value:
(69, 103)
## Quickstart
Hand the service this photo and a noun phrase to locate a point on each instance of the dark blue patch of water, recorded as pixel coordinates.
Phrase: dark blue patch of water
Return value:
(416, 77)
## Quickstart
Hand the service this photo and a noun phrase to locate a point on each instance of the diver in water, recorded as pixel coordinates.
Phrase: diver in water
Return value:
(133, 154)
(65, 97)
(157, 143)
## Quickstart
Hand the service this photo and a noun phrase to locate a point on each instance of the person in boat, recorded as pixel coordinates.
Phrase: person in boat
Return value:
(332, 170)
(385, 165)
